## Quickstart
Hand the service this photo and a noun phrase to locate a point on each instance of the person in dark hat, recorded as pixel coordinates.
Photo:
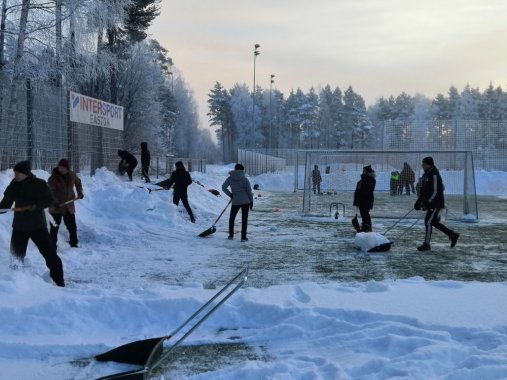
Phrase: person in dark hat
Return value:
(61, 184)
(181, 179)
(145, 162)
(31, 196)
(363, 197)
(242, 199)
(431, 199)
(128, 163)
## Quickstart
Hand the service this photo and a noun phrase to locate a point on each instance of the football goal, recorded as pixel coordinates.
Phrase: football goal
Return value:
(396, 190)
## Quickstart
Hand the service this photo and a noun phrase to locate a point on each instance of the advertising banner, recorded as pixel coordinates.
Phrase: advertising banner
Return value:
(86, 110)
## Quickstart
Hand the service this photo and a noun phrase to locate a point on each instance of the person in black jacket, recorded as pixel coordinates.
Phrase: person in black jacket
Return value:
(432, 201)
(31, 196)
(145, 162)
(181, 179)
(128, 162)
(363, 196)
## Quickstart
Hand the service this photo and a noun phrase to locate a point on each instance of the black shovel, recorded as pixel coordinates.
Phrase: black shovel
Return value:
(212, 229)
(148, 352)
(215, 192)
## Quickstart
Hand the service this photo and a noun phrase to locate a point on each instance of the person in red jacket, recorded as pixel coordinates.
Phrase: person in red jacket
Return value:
(62, 183)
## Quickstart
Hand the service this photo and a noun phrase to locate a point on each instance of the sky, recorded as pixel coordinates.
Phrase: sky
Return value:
(379, 47)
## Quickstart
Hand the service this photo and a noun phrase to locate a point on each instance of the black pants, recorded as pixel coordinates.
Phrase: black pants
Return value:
(244, 218)
(365, 218)
(184, 200)
(130, 170)
(19, 243)
(316, 185)
(145, 173)
(70, 222)
(432, 219)
(408, 186)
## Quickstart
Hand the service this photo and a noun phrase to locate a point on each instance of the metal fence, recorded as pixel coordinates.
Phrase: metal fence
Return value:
(258, 162)
(40, 131)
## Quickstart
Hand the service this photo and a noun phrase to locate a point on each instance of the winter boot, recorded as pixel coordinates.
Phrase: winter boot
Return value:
(454, 239)
(230, 237)
(192, 218)
(244, 238)
(424, 247)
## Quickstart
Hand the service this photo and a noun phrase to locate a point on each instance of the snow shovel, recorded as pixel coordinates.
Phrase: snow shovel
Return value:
(148, 352)
(212, 229)
(212, 191)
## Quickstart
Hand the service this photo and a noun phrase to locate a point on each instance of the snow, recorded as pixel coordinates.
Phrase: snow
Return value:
(117, 293)
(368, 240)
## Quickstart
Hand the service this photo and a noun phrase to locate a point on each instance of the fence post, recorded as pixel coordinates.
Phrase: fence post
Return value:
(157, 166)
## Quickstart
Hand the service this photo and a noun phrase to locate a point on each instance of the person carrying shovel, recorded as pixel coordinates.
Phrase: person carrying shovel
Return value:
(31, 196)
(363, 197)
(242, 198)
(61, 184)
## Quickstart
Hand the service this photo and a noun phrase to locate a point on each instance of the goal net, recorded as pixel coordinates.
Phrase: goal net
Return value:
(395, 192)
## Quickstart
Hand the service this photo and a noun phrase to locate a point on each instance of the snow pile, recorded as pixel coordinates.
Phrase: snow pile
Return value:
(368, 240)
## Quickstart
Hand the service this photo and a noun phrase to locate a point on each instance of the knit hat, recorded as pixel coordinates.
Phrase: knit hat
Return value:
(239, 167)
(144, 145)
(23, 167)
(179, 164)
(368, 169)
(428, 160)
(65, 163)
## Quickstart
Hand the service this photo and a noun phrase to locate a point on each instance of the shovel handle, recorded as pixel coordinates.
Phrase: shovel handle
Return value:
(16, 209)
(222, 213)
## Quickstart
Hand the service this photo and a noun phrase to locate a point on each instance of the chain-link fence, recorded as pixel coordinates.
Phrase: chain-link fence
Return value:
(258, 162)
(35, 126)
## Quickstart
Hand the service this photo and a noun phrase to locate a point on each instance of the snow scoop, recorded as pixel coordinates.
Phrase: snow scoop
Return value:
(148, 352)
(212, 229)
(212, 191)
(387, 246)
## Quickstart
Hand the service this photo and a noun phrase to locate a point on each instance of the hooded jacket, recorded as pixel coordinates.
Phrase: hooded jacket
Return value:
(31, 191)
(62, 189)
(240, 186)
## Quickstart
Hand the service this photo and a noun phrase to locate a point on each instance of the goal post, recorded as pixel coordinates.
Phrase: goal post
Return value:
(395, 194)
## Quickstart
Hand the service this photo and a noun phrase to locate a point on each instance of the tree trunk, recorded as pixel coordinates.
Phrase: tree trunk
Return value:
(16, 77)
(58, 47)
(113, 80)
(3, 76)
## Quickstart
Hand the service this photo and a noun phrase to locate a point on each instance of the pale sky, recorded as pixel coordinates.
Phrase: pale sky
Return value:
(379, 47)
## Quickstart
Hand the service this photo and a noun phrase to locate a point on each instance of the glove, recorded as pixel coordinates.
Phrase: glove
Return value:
(80, 196)
(417, 206)
(251, 205)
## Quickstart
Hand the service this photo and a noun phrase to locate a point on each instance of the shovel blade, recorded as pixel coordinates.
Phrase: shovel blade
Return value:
(382, 247)
(355, 223)
(137, 352)
(208, 232)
